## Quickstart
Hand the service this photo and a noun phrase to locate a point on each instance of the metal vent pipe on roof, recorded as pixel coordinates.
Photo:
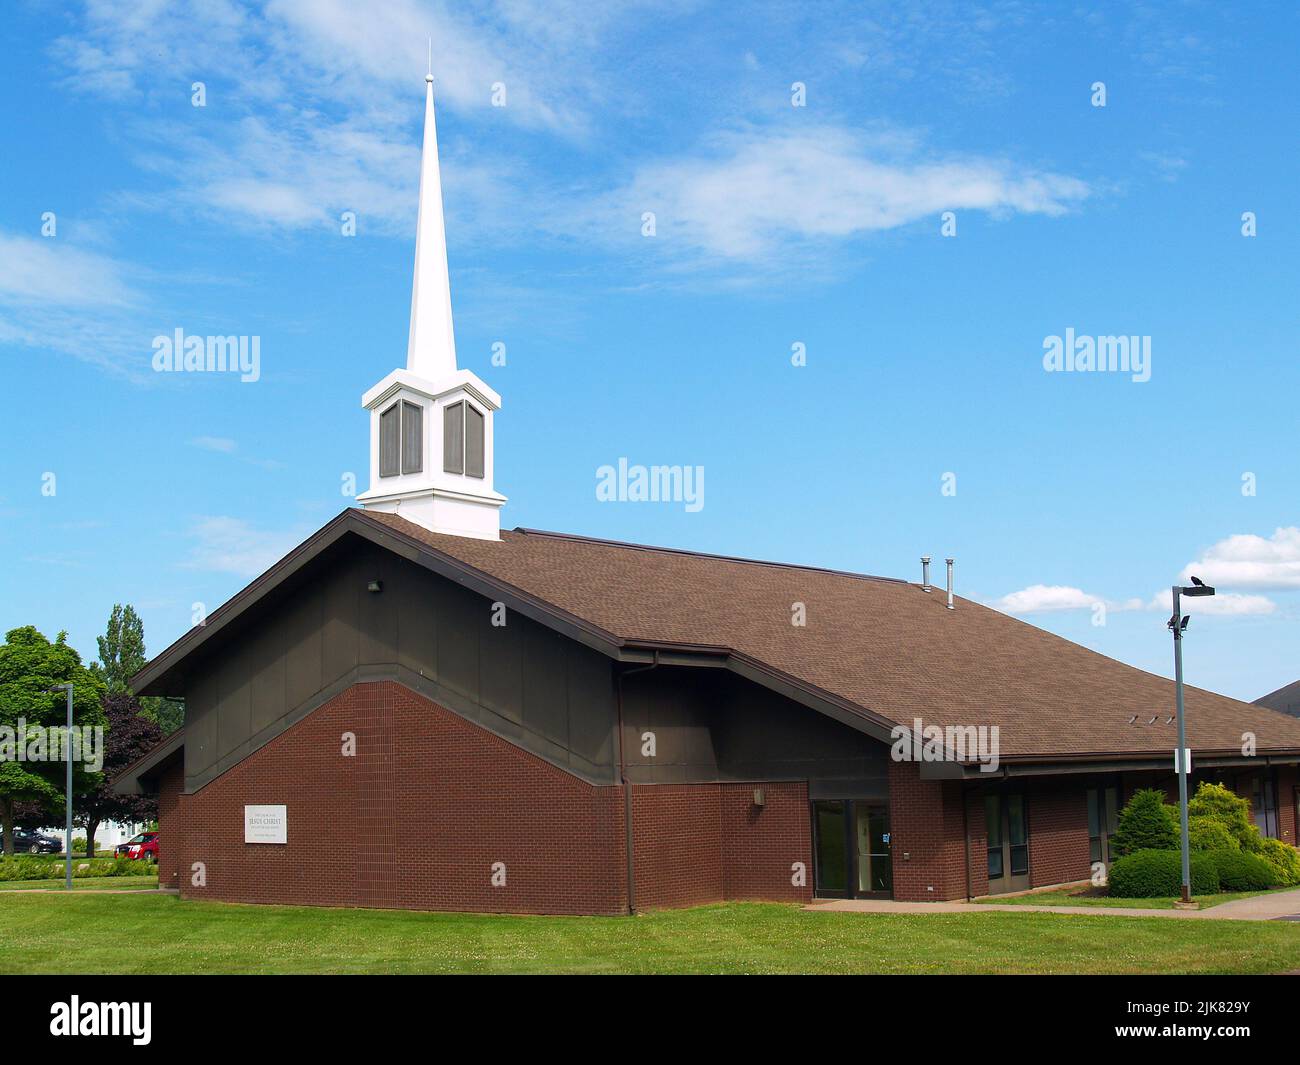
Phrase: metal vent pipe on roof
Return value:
(949, 561)
(925, 573)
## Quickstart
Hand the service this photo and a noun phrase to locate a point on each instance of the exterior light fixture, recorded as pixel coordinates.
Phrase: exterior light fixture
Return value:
(375, 586)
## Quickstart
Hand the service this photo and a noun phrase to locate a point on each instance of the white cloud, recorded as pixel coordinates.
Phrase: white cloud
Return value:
(1052, 598)
(47, 271)
(1055, 598)
(1222, 604)
(221, 444)
(752, 192)
(57, 297)
(319, 53)
(223, 544)
(1248, 561)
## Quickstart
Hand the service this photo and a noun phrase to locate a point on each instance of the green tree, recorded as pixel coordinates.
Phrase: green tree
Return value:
(130, 735)
(29, 666)
(121, 656)
(121, 649)
(1214, 802)
(1145, 823)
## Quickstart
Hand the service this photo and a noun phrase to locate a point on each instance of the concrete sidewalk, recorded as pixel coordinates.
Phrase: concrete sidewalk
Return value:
(1269, 907)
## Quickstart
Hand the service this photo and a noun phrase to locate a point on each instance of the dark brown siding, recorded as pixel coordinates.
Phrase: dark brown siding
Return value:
(711, 725)
(312, 639)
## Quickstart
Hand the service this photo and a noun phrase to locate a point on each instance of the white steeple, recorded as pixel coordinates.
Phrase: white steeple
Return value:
(431, 441)
(431, 347)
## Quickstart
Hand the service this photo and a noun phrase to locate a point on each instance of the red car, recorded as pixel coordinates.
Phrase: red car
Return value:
(144, 846)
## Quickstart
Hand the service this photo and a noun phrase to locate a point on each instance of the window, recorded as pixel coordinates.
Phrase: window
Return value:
(1263, 804)
(1103, 819)
(412, 438)
(401, 439)
(389, 441)
(473, 442)
(993, 822)
(464, 440)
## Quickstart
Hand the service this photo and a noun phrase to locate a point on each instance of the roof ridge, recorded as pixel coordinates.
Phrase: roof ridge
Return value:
(579, 538)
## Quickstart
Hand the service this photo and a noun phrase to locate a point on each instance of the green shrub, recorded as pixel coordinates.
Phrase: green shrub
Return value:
(1284, 860)
(1209, 834)
(1145, 823)
(1217, 803)
(1243, 871)
(1151, 874)
(27, 867)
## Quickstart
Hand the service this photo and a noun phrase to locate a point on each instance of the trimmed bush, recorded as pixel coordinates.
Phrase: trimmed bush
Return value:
(1145, 823)
(1217, 803)
(1209, 834)
(1243, 871)
(1153, 874)
(1284, 859)
(26, 867)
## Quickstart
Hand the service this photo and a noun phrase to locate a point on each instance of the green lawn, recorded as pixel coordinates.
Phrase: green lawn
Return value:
(152, 933)
(86, 883)
(1065, 897)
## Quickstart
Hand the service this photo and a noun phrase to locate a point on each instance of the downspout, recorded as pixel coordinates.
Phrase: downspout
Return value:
(627, 788)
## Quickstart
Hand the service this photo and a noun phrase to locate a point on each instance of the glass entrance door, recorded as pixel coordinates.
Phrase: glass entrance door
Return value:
(851, 844)
(875, 874)
(1008, 843)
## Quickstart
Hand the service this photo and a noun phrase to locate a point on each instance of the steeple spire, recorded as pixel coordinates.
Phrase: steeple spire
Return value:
(431, 347)
(432, 454)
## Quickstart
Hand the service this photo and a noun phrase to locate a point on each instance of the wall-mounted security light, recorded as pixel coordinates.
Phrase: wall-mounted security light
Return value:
(375, 586)
(760, 799)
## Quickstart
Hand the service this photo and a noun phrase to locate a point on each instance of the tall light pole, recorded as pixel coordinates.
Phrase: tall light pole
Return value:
(67, 751)
(1177, 625)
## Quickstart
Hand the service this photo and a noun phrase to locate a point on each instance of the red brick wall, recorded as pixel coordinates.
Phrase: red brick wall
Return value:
(697, 843)
(926, 838)
(677, 843)
(1058, 833)
(430, 801)
(416, 819)
(761, 844)
(171, 823)
(1058, 839)
(979, 843)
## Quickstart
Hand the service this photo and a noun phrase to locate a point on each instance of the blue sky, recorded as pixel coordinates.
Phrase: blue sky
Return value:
(775, 225)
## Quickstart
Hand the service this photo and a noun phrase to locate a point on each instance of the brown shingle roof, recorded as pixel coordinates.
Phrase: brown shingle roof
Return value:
(886, 646)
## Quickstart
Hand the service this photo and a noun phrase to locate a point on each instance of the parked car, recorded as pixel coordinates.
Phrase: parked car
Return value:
(29, 842)
(143, 846)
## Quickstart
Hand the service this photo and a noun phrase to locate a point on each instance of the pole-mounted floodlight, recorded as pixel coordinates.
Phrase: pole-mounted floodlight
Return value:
(67, 828)
(1178, 627)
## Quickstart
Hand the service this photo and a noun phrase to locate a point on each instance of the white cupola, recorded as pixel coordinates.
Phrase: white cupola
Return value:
(431, 424)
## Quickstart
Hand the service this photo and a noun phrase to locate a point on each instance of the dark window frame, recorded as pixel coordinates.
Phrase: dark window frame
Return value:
(390, 441)
(464, 453)
(395, 458)
(412, 441)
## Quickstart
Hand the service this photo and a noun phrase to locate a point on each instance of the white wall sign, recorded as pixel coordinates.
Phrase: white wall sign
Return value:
(266, 824)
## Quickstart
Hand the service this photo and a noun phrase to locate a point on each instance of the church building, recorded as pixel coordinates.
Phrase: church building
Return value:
(414, 708)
